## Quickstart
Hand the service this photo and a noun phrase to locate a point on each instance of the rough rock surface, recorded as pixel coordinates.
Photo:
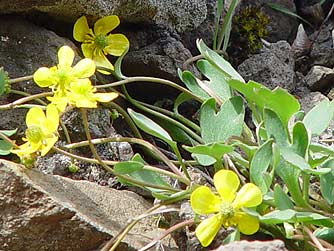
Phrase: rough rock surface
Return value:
(319, 78)
(45, 212)
(275, 245)
(181, 15)
(273, 66)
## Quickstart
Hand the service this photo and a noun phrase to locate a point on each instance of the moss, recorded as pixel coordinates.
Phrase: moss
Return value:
(248, 27)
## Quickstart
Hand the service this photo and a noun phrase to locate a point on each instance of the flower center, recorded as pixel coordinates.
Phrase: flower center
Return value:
(101, 41)
(226, 209)
(34, 134)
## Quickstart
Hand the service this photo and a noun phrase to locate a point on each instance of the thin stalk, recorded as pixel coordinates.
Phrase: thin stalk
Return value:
(167, 232)
(173, 115)
(114, 242)
(126, 117)
(151, 80)
(162, 116)
(133, 141)
(314, 239)
(20, 79)
(24, 100)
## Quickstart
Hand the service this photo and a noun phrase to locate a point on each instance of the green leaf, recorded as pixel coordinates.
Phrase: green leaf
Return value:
(218, 127)
(4, 85)
(320, 117)
(314, 218)
(327, 183)
(217, 82)
(325, 233)
(259, 167)
(136, 171)
(9, 133)
(5, 147)
(278, 216)
(299, 162)
(183, 97)
(218, 61)
(215, 150)
(149, 126)
(278, 100)
(203, 159)
(290, 176)
(292, 216)
(274, 128)
(234, 236)
(300, 139)
(191, 83)
(282, 200)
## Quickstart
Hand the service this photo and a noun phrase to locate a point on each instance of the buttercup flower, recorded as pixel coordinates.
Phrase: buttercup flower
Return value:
(41, 131)
(59, 77)
(82, 94)
(98, 43)
(226, 207)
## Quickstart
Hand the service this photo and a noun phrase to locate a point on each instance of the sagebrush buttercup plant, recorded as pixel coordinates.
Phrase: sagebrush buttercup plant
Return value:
(225, 207)
(41, 133)
(98, 43)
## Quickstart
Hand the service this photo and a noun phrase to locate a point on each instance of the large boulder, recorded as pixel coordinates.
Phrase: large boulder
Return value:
(181, 15)
(46, 212)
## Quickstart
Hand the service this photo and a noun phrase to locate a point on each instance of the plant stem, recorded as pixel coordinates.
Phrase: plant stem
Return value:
(115, 241)
(24, 100)
(151, 80)
(134, 141)
(167, 232)
(20, 79)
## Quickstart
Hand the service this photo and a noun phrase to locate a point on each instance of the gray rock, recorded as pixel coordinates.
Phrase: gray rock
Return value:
(319, 78)
(181, 15)
(275, 245)
(272, 67)
(323, 48)
(280, 26)
(158, 59)
(310, 100)
(45, 212)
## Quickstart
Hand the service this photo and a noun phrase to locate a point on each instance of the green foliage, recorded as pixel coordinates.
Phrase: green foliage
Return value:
(6, 147)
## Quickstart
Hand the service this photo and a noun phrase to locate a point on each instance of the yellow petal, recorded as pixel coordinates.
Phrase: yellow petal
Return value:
(85, 68)
(105, 97)
(226, 183)
(49, 142)
(247, 224)
(248, 196)
(80, 29)
(65, 57)
(117, 44)
(106, 24)
(88, 50)
(44, 77)
(35, 116)
(203, 201)
(207, 230)
(25, 149)
(52, 118)
(59, 102)
(101, 60)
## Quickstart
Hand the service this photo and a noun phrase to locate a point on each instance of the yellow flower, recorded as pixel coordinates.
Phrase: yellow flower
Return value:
(96, 45)
(226, 207)
(82, 94)
(41, 133)
(59, 77)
